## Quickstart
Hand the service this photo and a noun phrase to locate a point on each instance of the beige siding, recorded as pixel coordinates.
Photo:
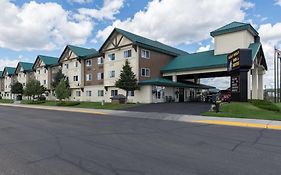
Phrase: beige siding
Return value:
(227, 43)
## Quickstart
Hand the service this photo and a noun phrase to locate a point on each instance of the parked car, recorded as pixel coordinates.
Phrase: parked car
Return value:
(225, 95)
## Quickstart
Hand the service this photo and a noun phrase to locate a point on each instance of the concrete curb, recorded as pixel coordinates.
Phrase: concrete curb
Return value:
(236, 122)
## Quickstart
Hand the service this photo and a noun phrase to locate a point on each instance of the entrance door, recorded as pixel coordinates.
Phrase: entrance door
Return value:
(181, 94)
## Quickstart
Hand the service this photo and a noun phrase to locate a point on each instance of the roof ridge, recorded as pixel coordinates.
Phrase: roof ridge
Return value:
(151, 40)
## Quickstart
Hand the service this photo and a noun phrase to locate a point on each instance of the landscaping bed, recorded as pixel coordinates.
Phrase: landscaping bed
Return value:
(6, 101)
(93, 105)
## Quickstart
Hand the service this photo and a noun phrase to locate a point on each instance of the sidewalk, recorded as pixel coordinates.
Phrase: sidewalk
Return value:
(237, 122)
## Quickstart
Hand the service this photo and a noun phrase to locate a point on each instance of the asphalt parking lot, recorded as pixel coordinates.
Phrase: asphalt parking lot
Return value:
(44, 142)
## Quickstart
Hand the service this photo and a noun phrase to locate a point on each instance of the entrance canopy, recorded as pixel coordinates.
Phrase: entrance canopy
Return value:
(207, 64)
(169, 83)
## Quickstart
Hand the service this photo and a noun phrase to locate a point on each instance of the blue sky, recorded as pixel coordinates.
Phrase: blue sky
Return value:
(29, 28)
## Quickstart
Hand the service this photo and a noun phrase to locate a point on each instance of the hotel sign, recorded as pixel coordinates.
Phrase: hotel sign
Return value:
(233, 61)
(239, 62)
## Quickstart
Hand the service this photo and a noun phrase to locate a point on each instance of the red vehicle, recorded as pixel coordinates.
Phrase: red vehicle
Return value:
(225, 95)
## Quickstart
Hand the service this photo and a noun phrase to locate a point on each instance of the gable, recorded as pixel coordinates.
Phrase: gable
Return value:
(68, 55)
(19, 69)
(116, 40)
(38, 63)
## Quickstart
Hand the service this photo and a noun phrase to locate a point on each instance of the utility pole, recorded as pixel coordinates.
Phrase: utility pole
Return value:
(275, 90)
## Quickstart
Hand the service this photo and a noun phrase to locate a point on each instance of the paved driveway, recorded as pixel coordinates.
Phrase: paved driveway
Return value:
(42, 142)
(174, 108)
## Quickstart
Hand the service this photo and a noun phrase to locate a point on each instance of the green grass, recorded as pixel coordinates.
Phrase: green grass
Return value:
(6, 101)
(267, 105)
(93, 105)
(245, 110)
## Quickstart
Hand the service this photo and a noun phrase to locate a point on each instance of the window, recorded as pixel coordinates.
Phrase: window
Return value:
(145, 72)
(131, 93)
(45, 70)
(145, 54)
(78, 93)
(112, 74)
(100, 76)
(100, 60)
(88, 93)
(127, 53)
(66, 66)
(88, 77)
(23, 84)
(100, 93)
(44, 82)
(38, 71)
(111, 57)
(76, 64)
(75, 78)
(88, 63)
(114, 92)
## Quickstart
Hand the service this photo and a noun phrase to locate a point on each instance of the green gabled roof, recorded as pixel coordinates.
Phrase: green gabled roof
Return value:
(161, 82)
(1, 74)
(203, 60)
(256, 47)
(82, 52)
(10, 70)
(147, 43)
(26, 66)
(198, 60)
(166, 82)
(47, 60)
(234, 27)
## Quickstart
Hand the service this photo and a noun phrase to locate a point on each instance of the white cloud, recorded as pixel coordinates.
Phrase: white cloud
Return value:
(278, 2)
(80, 1)
(218, 82)
(247, 5)
(204, 48)
(6, 62)
(108, 11)
(180, 21)
(38, 26)
(270, 37)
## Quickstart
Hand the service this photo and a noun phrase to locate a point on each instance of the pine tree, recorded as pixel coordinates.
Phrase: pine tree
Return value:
(34, 88)
(58, 76)
(17, 88)
(62, 90)
(127, 80)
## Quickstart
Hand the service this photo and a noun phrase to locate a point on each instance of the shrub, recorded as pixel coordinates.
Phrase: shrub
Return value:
(67, 103)
(32, 102)
(6, 101)
(263, 104)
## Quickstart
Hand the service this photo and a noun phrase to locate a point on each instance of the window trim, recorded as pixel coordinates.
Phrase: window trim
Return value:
(110, 74)
(74, 78)
(145, 68)
(100, 76)
(113, 90)
(100, 93)
(145, 56)
(110, 58)
(129, 53)
(88, 93)
(89, 79)
(89, 61)
(100, 60)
